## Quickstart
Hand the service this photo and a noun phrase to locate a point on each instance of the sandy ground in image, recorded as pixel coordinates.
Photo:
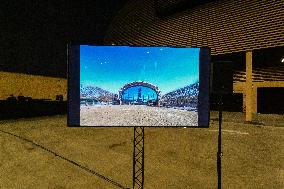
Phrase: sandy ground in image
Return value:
(136, 115)
(45, 153)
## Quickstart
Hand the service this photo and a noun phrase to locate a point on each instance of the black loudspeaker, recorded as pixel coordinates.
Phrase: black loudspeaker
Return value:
(222, 77)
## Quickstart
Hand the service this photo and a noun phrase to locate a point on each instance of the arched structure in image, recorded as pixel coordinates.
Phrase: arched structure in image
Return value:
(139, 92)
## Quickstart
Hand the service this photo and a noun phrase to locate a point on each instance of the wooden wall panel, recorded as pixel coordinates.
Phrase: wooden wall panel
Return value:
(225, 26)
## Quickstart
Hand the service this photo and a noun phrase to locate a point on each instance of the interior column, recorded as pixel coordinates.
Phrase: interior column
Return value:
(248, 88)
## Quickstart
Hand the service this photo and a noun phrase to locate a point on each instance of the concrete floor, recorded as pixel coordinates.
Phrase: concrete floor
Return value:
(45, 153)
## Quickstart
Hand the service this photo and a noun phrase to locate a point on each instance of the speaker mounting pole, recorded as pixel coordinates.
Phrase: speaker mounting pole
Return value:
(219, 153)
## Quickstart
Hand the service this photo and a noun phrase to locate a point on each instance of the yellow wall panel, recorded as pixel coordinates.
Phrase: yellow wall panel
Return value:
(33, 86)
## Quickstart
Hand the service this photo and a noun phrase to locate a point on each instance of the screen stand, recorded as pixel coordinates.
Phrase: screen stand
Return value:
(219, 153)
(138, 158)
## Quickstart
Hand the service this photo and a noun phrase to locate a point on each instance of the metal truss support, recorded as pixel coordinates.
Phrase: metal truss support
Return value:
(138, 158)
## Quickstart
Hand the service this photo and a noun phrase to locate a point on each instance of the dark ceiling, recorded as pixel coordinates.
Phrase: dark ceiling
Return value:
(34, 33)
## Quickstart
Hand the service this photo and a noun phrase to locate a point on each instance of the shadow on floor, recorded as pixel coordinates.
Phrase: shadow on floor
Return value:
(31, 108)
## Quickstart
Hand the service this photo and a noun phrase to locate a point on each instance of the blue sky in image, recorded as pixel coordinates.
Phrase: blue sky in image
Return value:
(111, 67)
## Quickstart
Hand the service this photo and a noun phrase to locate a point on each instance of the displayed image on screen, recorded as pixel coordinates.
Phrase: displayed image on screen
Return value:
(139, 86)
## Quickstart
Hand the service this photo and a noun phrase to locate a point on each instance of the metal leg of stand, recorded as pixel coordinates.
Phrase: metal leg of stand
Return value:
(138, 158)
(219, 153)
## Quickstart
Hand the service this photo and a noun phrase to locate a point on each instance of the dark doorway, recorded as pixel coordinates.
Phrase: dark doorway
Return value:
(270, 100)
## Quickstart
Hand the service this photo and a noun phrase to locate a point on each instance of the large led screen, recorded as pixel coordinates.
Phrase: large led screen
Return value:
(138, 86)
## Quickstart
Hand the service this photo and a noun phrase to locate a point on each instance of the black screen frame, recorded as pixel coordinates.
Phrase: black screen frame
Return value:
(73, 83)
